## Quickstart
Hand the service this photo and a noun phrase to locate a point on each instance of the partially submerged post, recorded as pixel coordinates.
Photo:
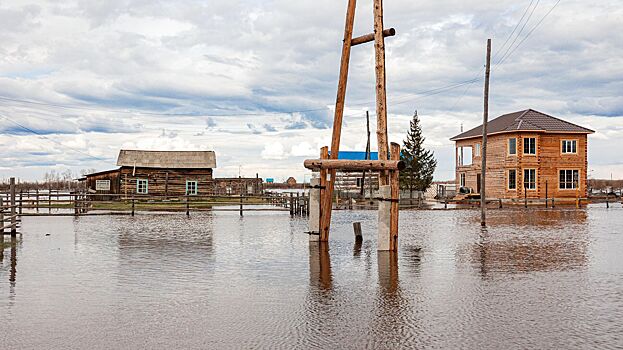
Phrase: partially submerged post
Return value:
(357, 230)
(485, 117)
(314, 210)
(13, 212)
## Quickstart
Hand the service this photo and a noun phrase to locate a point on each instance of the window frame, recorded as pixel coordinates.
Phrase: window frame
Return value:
(524, 146)
(508, 147)
(536, 177)
(575, 182)
(508, 180)
(196, 187)
(462, 180)
(574, 142)
(138, 186)
(477, 149)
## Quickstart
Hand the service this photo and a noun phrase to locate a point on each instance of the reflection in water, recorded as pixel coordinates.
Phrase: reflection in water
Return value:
(388, 272)
(529, 246)
(13, 261)
(320, 266)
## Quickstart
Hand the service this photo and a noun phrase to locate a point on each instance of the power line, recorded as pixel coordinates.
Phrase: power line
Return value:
(47, 138)
(520, 31)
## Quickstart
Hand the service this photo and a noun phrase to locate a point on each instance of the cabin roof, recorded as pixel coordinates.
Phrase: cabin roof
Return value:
(167, 159)
(84, 177)
(526, 120)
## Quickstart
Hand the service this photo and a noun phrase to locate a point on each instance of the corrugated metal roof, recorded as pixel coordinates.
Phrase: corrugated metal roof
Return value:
(167, 159)
(527, 120)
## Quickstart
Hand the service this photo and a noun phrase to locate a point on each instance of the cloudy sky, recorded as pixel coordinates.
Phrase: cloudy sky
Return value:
(256, 80)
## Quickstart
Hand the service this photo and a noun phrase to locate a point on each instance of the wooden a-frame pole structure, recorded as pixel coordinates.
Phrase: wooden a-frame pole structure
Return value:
(388, 168)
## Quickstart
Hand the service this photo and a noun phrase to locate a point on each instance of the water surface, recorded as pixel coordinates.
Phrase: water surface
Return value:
(533, 279)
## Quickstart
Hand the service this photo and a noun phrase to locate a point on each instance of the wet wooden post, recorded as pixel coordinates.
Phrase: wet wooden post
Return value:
(21, 201)
(500, 199)
(358, 233)
(75, 204)
(37, 199)
(187, 206)
(13, 211)
(395, 199)
(607, 200)
(50, 200)
(445, 203)
(132, 205)
(241, 213)
(291, 204)
(553, 203)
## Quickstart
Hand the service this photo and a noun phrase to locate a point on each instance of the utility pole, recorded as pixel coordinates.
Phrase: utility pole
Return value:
(363, 178)
(483, 155)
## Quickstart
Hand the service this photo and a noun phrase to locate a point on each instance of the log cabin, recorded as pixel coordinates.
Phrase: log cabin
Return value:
(529, 154)
(167, 173)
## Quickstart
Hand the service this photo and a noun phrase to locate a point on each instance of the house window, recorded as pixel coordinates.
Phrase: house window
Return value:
(569, 179)
(512, 179)
(191, 188)
(529, 145)
(464, 156)
(462, 180)
(569, 146)
(477, 150)
(512, 146)
(102, 185)
(141, 186)
(529, 179)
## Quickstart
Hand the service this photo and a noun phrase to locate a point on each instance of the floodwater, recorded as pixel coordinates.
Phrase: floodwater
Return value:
(534, 279)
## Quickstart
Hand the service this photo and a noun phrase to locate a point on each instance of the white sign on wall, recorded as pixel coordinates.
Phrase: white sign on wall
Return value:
(102, 185)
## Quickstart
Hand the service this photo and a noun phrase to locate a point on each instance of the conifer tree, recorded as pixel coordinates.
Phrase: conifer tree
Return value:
(420, 163)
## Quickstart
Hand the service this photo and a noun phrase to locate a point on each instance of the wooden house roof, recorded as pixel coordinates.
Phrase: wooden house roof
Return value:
(526, 120)
(167, 159)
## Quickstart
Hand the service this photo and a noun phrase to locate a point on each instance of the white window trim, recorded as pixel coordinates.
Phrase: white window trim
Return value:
(146, 186)
(462, 180)
(536, 147)
(536, 179)
(508, 147)
(196, 187)
(577, 187)
(508, 177)
(562, 149)
(477, 149)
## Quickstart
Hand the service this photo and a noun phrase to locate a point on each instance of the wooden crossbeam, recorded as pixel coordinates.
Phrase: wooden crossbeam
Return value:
(370, 37)
(354, 165)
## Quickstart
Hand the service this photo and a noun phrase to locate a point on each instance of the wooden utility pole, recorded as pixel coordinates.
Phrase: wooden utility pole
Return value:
(483, 155)
(381, 94)
(327, 195)
(363, 177)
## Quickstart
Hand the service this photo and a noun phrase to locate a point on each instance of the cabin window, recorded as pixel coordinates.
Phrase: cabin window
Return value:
(512, 146)
(512, 179)
(570, 146)
(477, 150)
(191, 188)
(102, 185)
(529, 145)
(569, 179)
(462, 180)
(141, 186)
(529, 179)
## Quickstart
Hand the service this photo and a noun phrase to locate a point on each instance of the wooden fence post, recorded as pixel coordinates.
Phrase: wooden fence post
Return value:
(37, 199)
(21, 201)
(75, 204)
(50, 200)
(357, 229)
(291, 204)
(2, 219)
(132, 205)
(607, 200)
(13, 211)
(241, 213)
(187, 206)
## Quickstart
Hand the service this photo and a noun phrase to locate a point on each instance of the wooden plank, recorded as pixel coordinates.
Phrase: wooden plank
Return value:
(381, 94)
(337, 120)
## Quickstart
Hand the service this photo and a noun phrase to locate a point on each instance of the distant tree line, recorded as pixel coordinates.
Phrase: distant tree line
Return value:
(64, 180)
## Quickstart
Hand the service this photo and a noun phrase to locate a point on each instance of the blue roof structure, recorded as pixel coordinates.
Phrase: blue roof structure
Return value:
(356, 155)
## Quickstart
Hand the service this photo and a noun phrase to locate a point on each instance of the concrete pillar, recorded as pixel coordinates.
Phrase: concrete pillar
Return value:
(385, 193)
(314, 210)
